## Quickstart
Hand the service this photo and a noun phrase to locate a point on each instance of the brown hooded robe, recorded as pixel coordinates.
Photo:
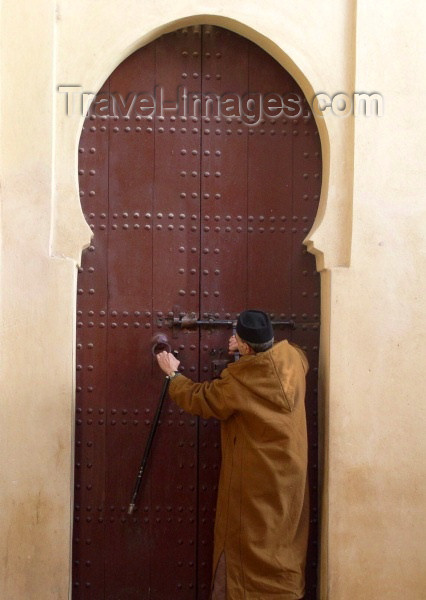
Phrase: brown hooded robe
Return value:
(262, 506)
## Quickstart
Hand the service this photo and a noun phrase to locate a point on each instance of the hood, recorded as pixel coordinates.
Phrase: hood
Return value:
(273, 376)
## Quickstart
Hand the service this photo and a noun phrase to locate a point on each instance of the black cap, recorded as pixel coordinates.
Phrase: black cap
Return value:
(255, 326)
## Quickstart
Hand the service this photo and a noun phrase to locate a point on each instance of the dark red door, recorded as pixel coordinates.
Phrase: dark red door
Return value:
(194, 212)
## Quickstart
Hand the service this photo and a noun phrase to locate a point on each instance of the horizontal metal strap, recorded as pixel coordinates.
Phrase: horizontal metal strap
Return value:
(189, 322)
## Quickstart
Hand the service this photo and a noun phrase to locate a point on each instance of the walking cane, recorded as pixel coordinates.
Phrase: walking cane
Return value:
(160, 344)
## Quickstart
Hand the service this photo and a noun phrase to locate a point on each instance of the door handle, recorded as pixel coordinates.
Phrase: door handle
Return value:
(160, 342)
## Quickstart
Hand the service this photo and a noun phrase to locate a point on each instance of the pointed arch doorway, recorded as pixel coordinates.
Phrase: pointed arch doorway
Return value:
(198, 210)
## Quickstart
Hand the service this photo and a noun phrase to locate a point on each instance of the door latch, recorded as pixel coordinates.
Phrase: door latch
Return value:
(190, 321)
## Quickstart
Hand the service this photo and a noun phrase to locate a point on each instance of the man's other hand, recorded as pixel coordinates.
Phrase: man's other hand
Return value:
(232, 345)
(167, 362)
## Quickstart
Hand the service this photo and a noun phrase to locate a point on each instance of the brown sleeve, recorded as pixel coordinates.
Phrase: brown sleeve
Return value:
(208, 399)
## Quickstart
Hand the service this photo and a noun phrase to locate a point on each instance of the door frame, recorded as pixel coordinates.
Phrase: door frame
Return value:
(329, 239)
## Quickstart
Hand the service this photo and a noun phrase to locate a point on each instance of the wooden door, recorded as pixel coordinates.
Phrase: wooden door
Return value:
(198, 209)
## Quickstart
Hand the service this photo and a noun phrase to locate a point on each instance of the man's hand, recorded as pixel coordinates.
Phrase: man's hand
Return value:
(232, 345)
(167, 362)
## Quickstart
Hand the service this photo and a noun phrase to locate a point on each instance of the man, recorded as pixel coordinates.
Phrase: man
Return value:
(261, 523)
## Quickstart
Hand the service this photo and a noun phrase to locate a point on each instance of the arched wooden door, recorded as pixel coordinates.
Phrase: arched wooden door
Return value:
(191, 215)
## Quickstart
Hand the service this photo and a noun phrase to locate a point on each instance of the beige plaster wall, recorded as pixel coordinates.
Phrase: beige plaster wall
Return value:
(377, 484)
(371, 252)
